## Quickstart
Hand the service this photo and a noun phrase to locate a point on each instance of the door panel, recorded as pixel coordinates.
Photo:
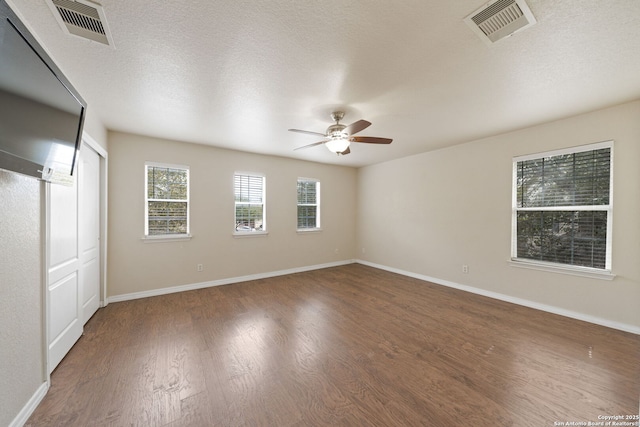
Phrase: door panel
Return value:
(64, 318)
(89, 222)
(90, 289)
(63, 224)
(64, 296)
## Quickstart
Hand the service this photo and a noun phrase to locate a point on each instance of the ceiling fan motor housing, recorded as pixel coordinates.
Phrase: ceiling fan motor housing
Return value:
(336, 116)
(336, 131)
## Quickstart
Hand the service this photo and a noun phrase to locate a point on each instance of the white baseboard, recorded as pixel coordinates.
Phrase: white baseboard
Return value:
(514, 300)
(31, 406)
(201, 285)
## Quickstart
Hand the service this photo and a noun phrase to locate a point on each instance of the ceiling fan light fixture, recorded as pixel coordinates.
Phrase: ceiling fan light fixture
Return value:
(337, 145)
(338, 137)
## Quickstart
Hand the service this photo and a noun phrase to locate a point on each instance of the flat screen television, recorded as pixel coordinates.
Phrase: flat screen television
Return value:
(41, 114)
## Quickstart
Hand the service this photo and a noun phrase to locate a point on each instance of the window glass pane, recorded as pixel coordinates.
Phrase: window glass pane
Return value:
(249, 217)
(565, 237)
(166, 183)
(167, 217)
(177, 226)
(177, 184)
(307, 192)
(578, 179)
(306, 217)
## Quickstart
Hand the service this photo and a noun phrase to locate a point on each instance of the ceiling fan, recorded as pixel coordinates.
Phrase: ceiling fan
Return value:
(338, 137)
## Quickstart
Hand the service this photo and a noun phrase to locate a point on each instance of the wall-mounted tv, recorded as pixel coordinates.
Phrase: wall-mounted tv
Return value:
(41, 114)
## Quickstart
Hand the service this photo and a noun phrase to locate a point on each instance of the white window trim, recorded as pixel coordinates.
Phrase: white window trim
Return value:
(572, 270)
(264, 231)
(159, 238)
(318, 226)
(243, 234)
(163, 238)
(575, 270)
(308, 230)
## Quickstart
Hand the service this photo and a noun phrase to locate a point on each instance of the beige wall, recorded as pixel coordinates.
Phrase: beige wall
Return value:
(95, 129)
(135, 266)
(431, 213)
(22, 330)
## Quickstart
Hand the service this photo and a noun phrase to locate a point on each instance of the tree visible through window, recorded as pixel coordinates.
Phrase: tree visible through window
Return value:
(308, 204)
(167, 200)
(249, 202)
(562, 207)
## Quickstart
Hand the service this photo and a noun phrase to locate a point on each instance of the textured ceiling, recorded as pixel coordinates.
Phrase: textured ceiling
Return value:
(239, 74)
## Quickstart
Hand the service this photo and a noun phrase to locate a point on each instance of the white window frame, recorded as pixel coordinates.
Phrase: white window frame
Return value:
(318, 226)
(605, 273)
(165, 237)
(244, 233)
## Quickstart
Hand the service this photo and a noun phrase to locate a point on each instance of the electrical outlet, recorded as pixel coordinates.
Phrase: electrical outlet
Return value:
(199, 267)
(465, 269)
(363, 251)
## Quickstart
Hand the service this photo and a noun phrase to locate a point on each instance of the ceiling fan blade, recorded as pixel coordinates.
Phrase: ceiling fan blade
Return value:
(308, 132)
(310, 145)
(356, 127)
(370, 140)
(345, 152)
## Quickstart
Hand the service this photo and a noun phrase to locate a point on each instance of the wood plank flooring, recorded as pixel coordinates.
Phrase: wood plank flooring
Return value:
(344, 346)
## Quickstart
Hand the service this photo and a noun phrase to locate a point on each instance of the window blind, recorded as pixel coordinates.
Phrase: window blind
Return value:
(578, 179)
(249, 202)
(248, 188)
(562, 208)
(167, 200)
(308, 204)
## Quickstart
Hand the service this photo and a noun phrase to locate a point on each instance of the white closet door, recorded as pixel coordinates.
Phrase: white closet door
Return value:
(64, 317)
(89, 238)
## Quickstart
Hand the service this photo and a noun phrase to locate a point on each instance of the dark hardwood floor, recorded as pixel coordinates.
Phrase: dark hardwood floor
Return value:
(349, 345)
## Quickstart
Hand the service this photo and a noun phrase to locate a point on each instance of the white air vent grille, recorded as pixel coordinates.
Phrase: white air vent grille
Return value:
(82, 18)
(499, 19)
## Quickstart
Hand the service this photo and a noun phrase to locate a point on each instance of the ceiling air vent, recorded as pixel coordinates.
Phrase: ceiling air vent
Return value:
(499, 19)
(82, 18)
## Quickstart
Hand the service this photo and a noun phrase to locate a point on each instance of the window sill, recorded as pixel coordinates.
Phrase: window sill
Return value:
(167, 238)
(308, 230)
(593, 273)
(242, 234)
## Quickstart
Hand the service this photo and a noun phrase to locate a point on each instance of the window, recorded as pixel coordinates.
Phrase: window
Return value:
(308, 204)
(562, 207)
(250, 197)
(166, 200)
